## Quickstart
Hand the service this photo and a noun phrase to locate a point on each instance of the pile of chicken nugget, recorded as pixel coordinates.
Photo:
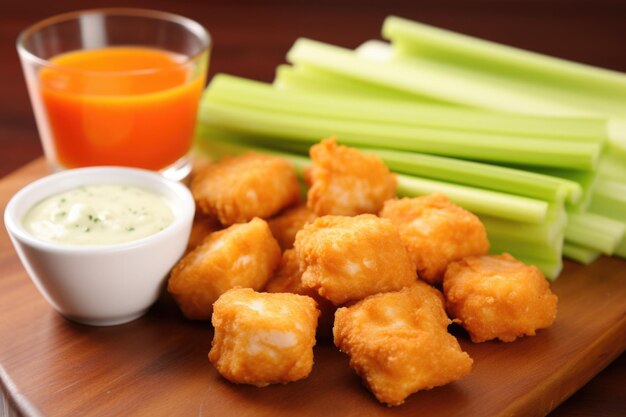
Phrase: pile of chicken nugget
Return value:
(383, 277)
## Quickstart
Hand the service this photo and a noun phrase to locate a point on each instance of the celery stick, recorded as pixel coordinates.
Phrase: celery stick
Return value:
(516, 248)
(533, 234)
(426, 78)
(594, 232)
(553, 97)
(512, 181)
(457, 171)
(584, 179)
(490, 203)
(446, 45)
(236, 90)
(551, 269)
(609, 199)
(612, 166)
(459, 84)
(256, 141)
(548, 233)
(426, 166)
(484, 147)
(306, 79)
(542, 98)
(579, 253)
(480, 87)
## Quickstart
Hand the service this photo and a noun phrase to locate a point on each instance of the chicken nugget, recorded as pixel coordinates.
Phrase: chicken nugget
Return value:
(348, 258)
(242, 255)
(345, 181)
(436, 232)
(202, 227)
(237, 189)
(200, 163)
(262, 338)
(497, 296)
(285, 226)
(399, 344)
(288, 278)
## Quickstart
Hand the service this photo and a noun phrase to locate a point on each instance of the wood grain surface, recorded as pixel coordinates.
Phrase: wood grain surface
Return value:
(250, 39)
(158, 366)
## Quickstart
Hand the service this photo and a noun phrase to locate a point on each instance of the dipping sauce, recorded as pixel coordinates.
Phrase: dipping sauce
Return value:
(129, 106)
(96, 215)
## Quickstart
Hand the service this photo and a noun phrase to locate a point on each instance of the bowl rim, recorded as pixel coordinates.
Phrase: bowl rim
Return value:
(184, 200)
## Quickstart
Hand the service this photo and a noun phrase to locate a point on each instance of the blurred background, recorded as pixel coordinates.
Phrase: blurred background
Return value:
(250, 38)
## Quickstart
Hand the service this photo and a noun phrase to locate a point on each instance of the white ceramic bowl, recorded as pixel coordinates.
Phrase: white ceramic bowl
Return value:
(101, 285)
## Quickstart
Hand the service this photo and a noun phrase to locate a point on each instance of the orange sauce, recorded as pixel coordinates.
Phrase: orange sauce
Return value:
(128, 106)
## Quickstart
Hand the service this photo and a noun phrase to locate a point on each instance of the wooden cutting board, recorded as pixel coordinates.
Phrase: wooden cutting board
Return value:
(157, 365)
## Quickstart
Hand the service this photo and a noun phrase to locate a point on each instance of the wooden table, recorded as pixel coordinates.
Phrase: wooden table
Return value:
(251, 39)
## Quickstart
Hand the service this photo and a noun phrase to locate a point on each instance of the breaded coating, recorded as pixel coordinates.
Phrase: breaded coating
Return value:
(200, 163)
(285, 226)
(344, 181)
(497, 296)
(288, 278)
(436, 232)
(202, 227)
(237, 189)
(244, 255)
(398, 342)
(348, 258)
(262, 338)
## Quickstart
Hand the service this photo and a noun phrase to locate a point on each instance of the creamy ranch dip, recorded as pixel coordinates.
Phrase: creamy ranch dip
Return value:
(95, 215)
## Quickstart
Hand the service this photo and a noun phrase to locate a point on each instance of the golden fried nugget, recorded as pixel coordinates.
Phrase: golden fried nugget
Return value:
(398, 342)
(436, 232)
(348, 258)
(202, 227)
(345, 181)
(250, 185)
(200, 163)
(288, 278)
(262, 338)
(285, 226)
(497, 296)
(242, 255)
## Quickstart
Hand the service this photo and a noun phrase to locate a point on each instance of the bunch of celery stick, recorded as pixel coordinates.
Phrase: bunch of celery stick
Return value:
(534, 145)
